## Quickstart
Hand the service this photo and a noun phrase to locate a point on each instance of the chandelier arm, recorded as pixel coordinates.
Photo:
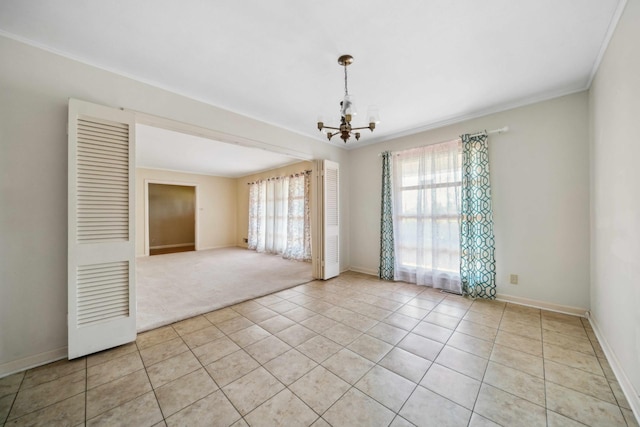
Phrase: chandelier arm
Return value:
(363, 127)
(330, 127)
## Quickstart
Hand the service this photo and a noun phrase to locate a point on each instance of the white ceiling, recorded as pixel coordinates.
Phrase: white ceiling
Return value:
(422, 62)
(158, 148)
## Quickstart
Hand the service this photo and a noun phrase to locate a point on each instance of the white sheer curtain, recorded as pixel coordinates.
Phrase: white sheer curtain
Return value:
(298, 219)
(275, 231)
(279, 216)
(426, 208)
(257, 214)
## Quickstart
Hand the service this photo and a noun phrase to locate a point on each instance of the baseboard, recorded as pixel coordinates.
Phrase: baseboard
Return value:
(632, 395)
(197, 249)
(29, 362)
(207, 248)
(566, 309)
(177, 245)
(363, 270)
(576, 311)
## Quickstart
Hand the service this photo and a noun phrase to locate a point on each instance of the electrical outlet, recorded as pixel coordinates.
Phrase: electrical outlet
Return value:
(513, 279)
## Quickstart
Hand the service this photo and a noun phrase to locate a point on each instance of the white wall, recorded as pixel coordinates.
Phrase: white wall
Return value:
(615, 199)
(540, 192)
(35, 86)
(216, 206)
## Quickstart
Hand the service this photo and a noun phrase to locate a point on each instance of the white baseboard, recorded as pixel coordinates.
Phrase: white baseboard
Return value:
(206, 248)
(566, 309)
(233, 245)
(632, 395)
(576, 311)
(363, 270)
(177, 245)
(32, 361)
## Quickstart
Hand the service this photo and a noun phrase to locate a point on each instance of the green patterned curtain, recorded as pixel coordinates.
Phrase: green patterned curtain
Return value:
(387, 256)
(477, 243)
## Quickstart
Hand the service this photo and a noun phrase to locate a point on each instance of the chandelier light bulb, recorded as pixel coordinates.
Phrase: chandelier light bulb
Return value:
(373, 115)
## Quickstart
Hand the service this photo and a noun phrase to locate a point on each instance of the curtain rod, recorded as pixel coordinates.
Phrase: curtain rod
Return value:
(273, 178)
(500, 130)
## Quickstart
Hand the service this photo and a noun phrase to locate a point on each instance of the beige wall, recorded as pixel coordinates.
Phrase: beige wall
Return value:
(540, 192)
(35, 87)
(172, 215)
(243, 195)
(615, 201)
(216, 206)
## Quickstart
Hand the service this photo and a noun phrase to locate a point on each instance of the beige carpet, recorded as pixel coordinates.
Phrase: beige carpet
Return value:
(176, 286)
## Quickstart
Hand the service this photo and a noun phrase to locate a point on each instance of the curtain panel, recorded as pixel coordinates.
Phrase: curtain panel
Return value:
(387, 255)
(477, 242)
(298, 245)
(257, 211)
(275, 231)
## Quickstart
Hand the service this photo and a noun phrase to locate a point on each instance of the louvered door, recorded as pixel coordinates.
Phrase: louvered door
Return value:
(325, 221)
(101, 246)
(331, 219)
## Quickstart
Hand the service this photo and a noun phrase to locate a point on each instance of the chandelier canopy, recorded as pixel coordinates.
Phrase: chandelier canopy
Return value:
(348, 111)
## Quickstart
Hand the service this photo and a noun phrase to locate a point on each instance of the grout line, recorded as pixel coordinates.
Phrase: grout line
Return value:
(86, 388)
(493, 344)
(153, 389)
(15, 398)
(544, 373)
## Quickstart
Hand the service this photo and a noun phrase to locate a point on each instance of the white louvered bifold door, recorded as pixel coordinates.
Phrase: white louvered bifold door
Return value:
(325, 220)
(101, 247)
(331, 219)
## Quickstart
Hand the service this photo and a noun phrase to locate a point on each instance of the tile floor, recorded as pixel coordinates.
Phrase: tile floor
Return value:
(352, 351)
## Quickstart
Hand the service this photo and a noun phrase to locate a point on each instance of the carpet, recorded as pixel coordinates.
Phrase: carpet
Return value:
(177, 286)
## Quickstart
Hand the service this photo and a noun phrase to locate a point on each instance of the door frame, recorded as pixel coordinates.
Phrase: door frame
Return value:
(146, 209)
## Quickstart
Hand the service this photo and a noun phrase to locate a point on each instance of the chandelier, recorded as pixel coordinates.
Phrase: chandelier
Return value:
(348, 111)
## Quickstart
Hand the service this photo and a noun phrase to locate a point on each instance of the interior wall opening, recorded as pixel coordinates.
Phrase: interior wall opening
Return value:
(218, 270)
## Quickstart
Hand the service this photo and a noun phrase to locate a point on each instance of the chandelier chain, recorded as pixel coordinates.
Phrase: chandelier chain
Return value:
(346, 90)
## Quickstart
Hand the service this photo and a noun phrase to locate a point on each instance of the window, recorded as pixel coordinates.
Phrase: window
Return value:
(279, 216)
(426, 208)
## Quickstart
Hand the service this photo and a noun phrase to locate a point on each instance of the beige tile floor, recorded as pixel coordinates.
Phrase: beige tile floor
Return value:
(353, 351)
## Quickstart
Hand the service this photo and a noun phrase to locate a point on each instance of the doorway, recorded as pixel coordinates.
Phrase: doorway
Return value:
(171, 217)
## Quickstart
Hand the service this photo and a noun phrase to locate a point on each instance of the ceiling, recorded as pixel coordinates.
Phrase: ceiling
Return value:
(423, 63)
(158, 148)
